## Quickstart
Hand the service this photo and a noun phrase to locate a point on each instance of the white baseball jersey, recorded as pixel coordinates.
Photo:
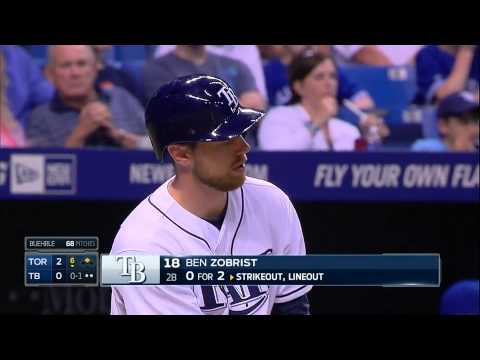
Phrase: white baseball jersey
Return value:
(259, 220)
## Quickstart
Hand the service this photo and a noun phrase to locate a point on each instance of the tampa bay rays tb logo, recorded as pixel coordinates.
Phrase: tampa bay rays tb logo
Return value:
(228, 93)
(241, 299)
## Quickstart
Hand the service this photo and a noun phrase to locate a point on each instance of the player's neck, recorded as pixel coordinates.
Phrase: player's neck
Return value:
(199, 199)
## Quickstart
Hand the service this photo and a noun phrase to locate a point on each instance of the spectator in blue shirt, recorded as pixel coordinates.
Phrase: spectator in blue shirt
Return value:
(27, 87)
(458, 124)
(446, 69)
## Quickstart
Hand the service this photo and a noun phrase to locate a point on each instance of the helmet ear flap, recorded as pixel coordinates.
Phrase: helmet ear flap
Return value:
(158, 148)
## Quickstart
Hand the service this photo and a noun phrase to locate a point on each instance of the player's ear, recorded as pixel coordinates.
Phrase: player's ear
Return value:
(180, 154)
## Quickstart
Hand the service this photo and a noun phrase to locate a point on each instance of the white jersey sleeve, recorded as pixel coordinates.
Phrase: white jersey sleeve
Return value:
(138, 236)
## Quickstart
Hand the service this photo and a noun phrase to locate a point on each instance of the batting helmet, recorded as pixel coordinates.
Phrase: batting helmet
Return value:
(196, 108)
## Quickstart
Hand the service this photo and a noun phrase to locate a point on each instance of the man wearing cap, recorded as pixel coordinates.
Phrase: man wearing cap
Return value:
(458, 124)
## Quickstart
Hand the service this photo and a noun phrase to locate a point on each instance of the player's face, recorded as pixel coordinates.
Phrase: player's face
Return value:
(221, 164)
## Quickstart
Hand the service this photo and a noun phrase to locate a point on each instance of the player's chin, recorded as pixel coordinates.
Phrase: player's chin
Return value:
(226, 183)
(235, 180)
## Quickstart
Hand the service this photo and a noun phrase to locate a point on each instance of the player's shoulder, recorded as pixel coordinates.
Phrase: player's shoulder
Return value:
(270, 204)
(144, 230)
(136, 231)
(250, 181)
(264, 190)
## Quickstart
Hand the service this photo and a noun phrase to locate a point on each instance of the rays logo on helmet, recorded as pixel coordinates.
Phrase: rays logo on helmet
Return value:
(229, 95)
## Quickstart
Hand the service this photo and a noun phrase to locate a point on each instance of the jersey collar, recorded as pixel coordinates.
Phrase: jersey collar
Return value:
(197, 229)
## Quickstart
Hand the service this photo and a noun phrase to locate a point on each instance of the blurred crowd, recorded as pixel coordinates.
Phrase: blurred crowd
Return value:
(82, 96)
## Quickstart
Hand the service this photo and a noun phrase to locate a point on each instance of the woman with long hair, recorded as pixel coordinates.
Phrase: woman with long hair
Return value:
(309, 122)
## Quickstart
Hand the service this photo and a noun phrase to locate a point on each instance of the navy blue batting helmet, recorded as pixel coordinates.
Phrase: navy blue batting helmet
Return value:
(196, 108)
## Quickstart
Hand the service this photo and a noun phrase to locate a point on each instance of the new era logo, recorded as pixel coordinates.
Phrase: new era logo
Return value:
(24, 174)
(27, 174)
(43, 174)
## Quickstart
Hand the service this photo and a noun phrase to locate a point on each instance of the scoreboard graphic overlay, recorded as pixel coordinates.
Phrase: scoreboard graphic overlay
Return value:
(75, 261)
(61, 261)
(386, 270)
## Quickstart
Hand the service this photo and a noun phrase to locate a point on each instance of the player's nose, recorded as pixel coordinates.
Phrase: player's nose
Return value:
(241, 144)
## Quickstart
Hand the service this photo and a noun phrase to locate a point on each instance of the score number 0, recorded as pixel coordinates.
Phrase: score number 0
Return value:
(174, 263)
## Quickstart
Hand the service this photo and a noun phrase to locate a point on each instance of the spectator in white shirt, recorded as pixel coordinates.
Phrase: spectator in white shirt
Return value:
(309, 123)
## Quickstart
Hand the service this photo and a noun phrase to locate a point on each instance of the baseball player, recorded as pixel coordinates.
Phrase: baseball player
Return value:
(209, 207)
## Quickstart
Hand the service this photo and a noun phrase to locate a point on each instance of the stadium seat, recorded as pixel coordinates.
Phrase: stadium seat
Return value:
(392, 88)
(402, 136)
(151, 50)
(429, 122)
(124, 53)
(39, 53)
